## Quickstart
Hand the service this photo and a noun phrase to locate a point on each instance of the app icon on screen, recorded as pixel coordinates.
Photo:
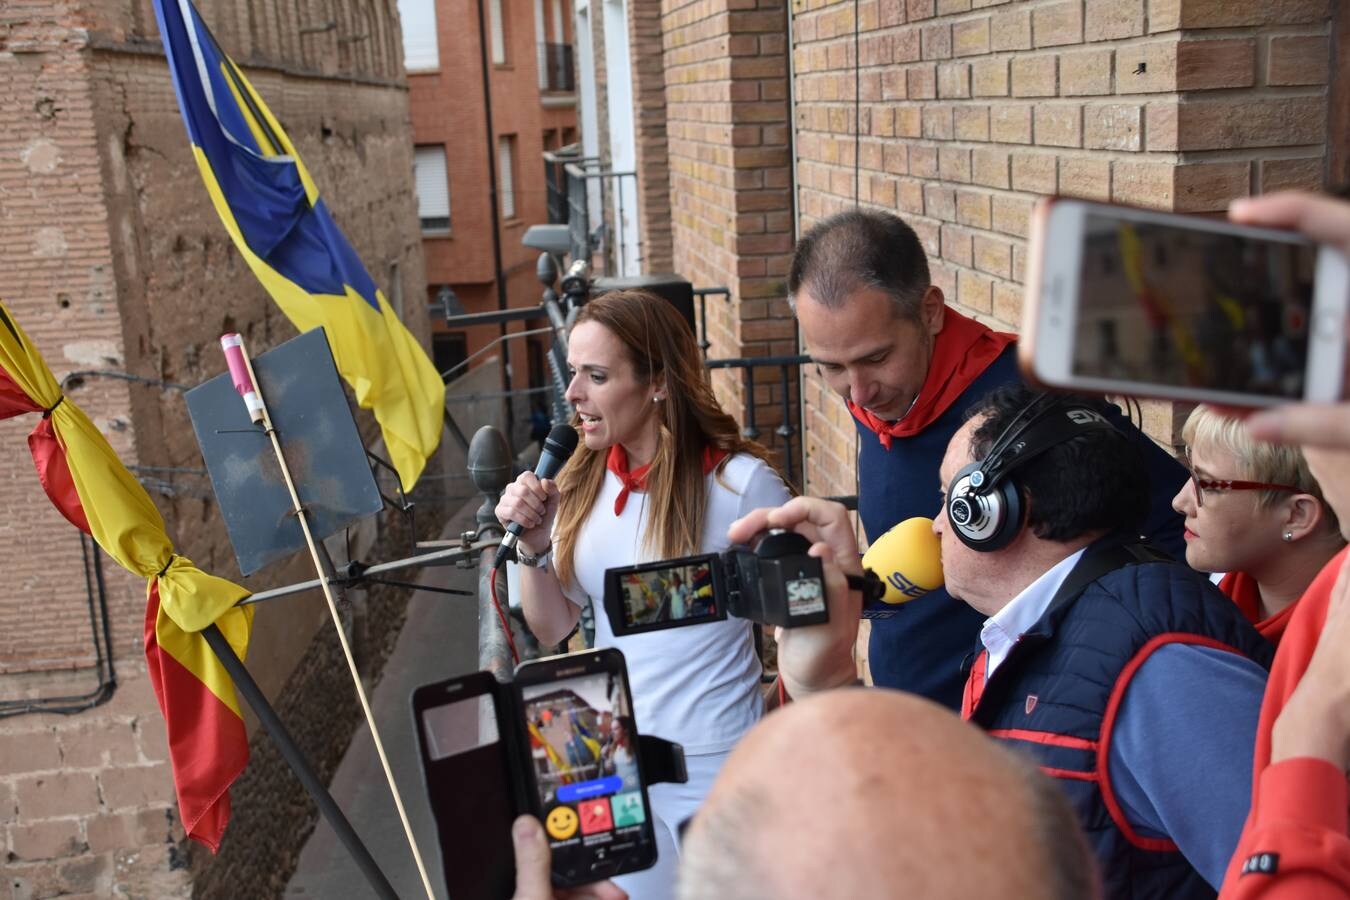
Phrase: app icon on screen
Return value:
(561, 823)
(628, 809)
(595, 816)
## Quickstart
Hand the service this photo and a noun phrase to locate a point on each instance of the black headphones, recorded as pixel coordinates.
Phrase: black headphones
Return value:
(984, 503)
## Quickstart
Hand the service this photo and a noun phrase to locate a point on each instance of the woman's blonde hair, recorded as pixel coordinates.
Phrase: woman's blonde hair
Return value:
(658, 343)
(1257, 460)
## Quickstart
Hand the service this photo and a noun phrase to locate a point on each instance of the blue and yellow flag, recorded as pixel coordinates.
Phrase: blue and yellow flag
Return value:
(272, 210)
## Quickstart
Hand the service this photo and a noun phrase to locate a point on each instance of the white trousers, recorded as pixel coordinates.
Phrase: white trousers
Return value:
(671, 805)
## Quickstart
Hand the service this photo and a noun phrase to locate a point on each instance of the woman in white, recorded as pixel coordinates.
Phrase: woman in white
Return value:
(662, 472)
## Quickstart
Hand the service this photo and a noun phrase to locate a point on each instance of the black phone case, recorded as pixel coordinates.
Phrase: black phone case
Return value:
(660, 760)
(491, 885)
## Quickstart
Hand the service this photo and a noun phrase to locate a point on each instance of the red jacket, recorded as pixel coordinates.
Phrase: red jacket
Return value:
(1296, 844)
(1242, 589)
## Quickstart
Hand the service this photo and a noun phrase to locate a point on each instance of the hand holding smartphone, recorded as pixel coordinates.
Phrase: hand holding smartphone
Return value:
(585, 772)
(1130, 301)
(558, 743)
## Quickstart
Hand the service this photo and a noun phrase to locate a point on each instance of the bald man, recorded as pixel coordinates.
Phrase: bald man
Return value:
(876, 793)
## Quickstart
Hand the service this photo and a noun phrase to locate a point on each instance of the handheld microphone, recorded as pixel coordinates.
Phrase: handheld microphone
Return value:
(908, 558)
(558, 447)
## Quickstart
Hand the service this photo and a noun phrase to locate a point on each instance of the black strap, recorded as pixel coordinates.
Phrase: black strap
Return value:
(47, 413)
(1099, 561)
(662, 760)
(870, 584)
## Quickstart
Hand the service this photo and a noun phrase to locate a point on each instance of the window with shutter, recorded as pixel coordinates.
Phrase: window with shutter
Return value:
(433, 188)
(506, 170)
(498, 32)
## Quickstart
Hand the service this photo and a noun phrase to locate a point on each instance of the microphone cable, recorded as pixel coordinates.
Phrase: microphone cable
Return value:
(502, 618)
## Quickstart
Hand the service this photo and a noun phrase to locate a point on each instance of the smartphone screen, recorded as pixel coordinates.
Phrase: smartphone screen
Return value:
(468, 785)
(662, 595)
(584, 760)
(1193, 308)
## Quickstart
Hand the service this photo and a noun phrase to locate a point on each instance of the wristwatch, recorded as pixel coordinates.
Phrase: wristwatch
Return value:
(525, 558)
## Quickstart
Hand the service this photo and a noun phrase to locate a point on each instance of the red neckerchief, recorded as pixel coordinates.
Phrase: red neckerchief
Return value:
(636, 480)
(963, 350)
(1241, 588)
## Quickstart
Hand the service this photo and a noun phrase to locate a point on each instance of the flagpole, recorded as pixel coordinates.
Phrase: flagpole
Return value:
(271, 722)
(257, 406)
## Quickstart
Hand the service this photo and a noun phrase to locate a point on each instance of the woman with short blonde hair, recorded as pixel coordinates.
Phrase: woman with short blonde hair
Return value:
(1254, 512)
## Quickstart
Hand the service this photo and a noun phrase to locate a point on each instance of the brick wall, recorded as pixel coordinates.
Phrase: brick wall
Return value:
(968, 110)
(649, 129)
(59, 283)
(448, 109)
(727, 125)
(115, 260)
(83, 804)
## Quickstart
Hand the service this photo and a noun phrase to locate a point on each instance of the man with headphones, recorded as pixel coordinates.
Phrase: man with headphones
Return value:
(1128, 677)
(909, 367)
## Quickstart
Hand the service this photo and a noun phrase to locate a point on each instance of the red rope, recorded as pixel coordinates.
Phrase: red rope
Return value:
(501, 617)
(782, 692)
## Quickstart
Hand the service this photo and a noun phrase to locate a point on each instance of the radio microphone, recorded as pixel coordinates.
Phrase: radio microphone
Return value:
(908, 558)
(558, 447)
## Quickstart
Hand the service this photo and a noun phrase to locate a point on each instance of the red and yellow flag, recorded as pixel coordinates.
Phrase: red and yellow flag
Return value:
(89, 485)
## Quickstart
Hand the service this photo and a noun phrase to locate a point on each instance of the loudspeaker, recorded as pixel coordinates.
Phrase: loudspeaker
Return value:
(674, 288)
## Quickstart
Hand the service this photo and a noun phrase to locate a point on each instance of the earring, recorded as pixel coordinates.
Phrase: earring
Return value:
(1288, 536)
(657, 398)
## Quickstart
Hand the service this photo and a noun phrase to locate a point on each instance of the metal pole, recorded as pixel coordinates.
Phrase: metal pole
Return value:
(498, 270)
(785, 430)
(271, 722)
(620, 232)
(749, 431)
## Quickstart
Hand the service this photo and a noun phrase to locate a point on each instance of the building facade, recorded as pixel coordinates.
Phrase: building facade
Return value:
(113, 260)
(475, 261)
(957, 115)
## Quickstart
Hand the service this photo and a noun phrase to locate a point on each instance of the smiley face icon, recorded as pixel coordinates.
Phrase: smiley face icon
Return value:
(561, 822)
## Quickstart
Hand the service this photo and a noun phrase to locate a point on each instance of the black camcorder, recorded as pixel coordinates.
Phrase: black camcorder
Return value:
(775, 583)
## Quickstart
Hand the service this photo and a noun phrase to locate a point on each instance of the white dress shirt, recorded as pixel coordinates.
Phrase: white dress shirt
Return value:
(1001, 630)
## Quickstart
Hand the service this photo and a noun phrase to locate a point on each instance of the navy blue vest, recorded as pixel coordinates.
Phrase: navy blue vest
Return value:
(1056, 694)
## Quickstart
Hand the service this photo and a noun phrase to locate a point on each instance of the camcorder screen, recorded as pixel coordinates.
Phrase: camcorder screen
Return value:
(584, 754)
(1182, 307)
(680, 593)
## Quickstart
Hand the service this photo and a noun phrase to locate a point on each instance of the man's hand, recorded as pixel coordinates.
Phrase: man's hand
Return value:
(1316, 720)
(533, 861)
(816, 657)
(819, 521)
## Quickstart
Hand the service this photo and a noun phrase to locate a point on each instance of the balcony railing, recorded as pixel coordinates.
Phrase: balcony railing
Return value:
(556, 74)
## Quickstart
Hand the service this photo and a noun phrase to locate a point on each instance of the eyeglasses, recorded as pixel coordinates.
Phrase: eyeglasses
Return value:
(1202, 485)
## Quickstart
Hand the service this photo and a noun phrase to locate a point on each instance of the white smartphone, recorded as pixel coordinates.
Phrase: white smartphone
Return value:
(1130, 301)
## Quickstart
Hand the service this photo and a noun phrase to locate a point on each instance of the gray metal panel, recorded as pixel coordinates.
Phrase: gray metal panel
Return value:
(309, 410)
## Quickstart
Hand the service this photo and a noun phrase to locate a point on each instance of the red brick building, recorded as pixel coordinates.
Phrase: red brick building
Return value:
(113, 259)
(763, 116)
(531, 102)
